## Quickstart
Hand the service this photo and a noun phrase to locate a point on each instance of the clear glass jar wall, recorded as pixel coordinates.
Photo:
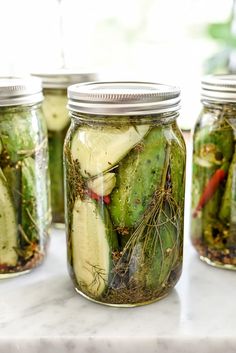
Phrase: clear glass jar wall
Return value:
(125, 205)
(24, 184)
(213, 226)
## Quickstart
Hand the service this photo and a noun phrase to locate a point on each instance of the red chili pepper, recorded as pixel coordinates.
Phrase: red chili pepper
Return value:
(93, 195)
(106, 199)
(210, 189)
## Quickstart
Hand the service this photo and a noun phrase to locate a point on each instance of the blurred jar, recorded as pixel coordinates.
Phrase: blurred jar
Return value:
(54, 108)
(25, 213)
(214, 173)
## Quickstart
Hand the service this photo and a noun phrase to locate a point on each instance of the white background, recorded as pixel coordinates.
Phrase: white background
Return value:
(157, 40)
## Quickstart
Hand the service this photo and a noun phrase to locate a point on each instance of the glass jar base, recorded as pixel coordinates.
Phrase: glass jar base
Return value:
(218, 264)
(129, 305)
(13, 274)
(221, 258)
(19, 270)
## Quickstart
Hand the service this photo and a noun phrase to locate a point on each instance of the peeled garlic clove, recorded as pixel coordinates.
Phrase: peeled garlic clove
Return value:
(103, 184)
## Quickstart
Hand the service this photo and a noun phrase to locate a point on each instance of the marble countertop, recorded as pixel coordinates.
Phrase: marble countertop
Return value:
(41, 312)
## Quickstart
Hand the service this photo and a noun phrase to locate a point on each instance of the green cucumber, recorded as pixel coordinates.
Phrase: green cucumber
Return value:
(98, 151)
(138, 176)
(227, 208)
(20, 138)
(214, 144)
(167, 251)
(13, 177)
(93, 241)
(177, 165)
(8, 226)
(29, 197)
(154, 258)
(36, 214)
(177, 176)
(22, 184)
(55, 143)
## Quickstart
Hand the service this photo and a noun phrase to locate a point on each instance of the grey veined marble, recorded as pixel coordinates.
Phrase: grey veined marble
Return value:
(41, 312)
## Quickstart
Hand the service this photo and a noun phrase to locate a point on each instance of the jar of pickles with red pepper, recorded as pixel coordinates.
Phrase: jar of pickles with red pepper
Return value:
(213, 226)
(124, 159)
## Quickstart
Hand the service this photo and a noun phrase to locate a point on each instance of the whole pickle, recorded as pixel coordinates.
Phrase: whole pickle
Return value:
(93, 240)
(229, 193)
(8, 226)
(20, 138)
(138, 176)
(55, 143)
(157, 252)
(214, 144)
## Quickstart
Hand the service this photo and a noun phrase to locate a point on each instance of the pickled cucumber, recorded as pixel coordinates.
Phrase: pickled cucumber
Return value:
(29, 196)
(214, 144)
(93, 241)
(158, 252)
(98, 151)
(14, 181)
(8, 226)
(228, 200)
(177, 166)
(138, 176)
(21, 138)
(153, 247)
(55, 141)
(167, 248)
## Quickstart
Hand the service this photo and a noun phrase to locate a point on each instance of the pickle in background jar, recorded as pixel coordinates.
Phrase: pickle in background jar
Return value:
(213, 226)
(25, 213)
(55, 110)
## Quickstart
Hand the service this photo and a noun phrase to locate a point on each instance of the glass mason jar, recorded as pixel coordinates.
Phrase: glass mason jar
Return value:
(24, 204)
(125, 172)
(213, 228)
(55, 111)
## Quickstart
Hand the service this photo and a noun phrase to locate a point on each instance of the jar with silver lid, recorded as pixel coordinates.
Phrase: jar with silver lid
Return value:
(55, 111)
(125, 172)
(24, 181)
(213, 228)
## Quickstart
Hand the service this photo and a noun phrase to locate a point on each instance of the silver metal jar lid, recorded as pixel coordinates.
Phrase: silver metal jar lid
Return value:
(64, 78)
(20, 91)
(123, 98)
(219, 88)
